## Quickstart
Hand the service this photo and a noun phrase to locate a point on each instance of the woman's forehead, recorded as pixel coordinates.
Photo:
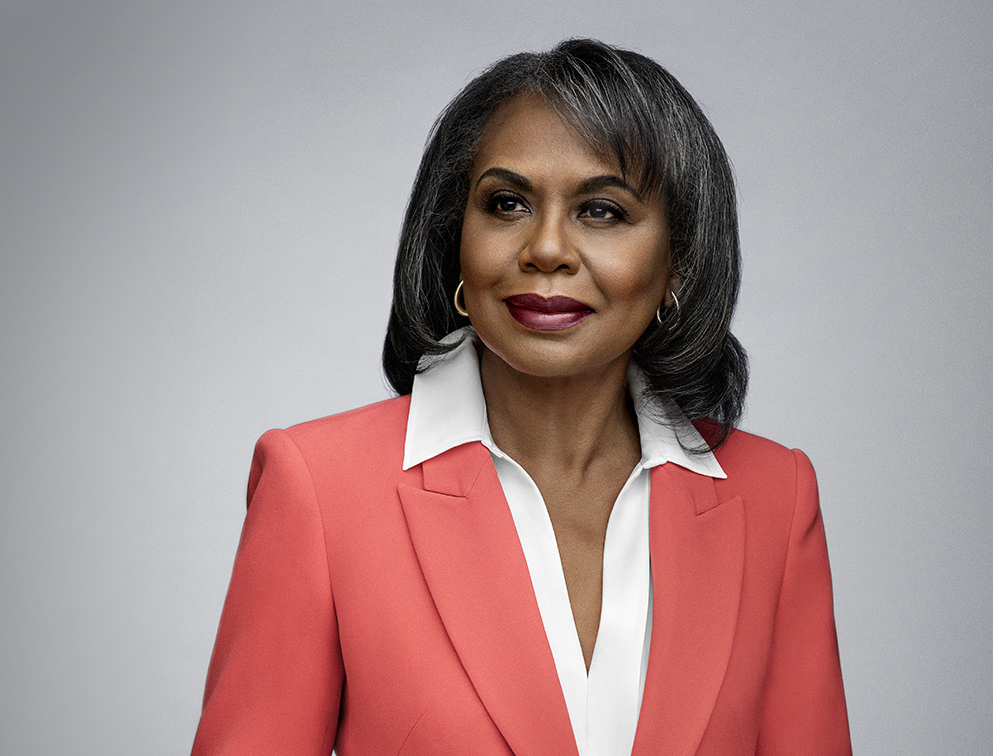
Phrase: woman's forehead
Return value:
(531, 119)
(528, 120)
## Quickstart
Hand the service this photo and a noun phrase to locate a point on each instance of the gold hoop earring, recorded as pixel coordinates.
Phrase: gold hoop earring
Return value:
(658, 312)
(460, 308)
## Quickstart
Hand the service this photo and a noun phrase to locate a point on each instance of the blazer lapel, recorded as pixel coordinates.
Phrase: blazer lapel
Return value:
(697, 550)
(467, 545)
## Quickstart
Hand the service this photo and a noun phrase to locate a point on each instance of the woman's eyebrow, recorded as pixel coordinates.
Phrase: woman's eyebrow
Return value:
(509, 176)
(586, 186)
(605, 181)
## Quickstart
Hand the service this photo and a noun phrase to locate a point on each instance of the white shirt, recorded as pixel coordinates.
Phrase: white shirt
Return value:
(447, 409)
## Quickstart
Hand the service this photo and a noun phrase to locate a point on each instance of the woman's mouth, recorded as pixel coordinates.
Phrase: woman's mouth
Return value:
(552, 314)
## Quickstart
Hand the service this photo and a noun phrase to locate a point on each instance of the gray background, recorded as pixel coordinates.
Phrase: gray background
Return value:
(199, 203)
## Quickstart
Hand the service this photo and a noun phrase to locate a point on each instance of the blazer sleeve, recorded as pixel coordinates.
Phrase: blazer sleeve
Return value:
(804, 702)
(275, 677)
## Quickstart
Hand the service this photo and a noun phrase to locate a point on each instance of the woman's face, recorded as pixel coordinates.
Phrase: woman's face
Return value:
(564, 264)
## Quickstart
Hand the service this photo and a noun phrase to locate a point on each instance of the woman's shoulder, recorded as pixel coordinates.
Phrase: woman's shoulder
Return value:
(389, 414)
(747, 459)
(362, 435)
(348, 464)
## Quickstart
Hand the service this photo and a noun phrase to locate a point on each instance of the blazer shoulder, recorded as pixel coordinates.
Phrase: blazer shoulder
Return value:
(388, 412)
(362, 435)
(747, 458)
(353, 456)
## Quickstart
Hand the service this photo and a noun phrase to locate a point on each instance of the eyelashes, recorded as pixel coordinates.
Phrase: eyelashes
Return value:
(600, 209)
(504, 204)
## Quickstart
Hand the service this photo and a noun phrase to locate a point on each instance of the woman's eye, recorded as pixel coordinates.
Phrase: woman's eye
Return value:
(505, 204)
(508, 205)
(602, 211)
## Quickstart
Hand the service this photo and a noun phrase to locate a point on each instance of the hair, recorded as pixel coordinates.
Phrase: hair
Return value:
(626, 106)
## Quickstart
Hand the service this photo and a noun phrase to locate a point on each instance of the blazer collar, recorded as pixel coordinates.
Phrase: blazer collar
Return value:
(471, 558)
(698, 551)
(467, 546)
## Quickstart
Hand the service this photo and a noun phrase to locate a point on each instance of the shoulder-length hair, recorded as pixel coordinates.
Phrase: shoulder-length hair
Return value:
(628, 107)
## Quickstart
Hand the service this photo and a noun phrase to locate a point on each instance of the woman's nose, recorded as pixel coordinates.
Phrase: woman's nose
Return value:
(550, 246)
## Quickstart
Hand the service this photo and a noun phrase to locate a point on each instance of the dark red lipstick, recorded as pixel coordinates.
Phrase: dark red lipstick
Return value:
(551, 314)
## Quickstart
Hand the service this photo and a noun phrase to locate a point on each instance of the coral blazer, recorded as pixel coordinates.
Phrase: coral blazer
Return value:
(377, 611)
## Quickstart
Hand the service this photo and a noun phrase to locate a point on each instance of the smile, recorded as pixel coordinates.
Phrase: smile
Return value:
(552, 314)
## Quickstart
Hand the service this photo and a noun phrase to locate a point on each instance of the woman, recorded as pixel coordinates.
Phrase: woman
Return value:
(532, 550)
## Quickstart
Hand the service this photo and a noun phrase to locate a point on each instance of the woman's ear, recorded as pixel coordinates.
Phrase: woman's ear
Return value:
(672, 288)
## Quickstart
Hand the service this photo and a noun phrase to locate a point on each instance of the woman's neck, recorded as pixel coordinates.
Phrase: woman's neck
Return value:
(569, 424)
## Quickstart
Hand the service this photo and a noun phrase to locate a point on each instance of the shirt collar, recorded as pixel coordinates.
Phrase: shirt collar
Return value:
(447, 409)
